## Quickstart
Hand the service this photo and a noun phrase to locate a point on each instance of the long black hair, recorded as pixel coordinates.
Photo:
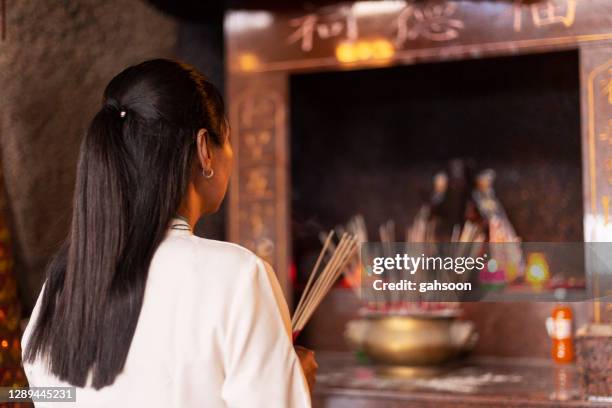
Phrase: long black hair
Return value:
(134, 166)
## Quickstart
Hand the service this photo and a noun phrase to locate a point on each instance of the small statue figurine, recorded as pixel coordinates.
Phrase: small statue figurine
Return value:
(509, 258)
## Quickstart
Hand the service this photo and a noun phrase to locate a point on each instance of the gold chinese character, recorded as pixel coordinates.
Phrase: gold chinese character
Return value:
(256, 217)
(324, 26)
(432, 20)
(605, 135)
(546, 13)
(259, 217)
(257, 111)
(264, 248)
(256, 223)
(257, 183)
(256, 142)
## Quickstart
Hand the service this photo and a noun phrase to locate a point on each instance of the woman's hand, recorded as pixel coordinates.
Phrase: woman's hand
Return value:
(309, 365)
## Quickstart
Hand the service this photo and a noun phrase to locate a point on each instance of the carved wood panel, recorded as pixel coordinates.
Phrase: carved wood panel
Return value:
(354, 34)
(258, 197)
(596, 72)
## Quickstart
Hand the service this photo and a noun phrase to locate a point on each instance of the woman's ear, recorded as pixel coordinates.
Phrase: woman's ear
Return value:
(204, 149)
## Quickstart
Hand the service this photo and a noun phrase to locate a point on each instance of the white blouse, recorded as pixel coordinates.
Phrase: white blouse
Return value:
(214, 331)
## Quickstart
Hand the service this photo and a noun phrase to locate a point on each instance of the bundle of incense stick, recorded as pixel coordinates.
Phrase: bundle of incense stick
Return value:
(420, 238)
(319, 284)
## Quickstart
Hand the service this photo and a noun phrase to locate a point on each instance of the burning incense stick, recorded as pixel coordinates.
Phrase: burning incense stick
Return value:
(318, 286)
(300, 305)
(352, 269)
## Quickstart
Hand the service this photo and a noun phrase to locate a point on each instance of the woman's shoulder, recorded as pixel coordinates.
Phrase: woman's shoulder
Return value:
(207, 257)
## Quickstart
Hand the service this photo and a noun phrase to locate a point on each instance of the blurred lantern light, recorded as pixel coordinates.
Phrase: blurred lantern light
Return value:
(365, 50)
(370, 8)
(538, 271)
(382, 49)
(492, 266)
(346, 52)
(240, 21)
(248, 62)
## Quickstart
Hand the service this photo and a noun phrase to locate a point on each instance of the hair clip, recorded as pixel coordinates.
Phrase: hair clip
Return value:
(122, 113)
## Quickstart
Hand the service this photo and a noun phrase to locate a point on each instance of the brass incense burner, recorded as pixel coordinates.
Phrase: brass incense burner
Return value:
(419, 340)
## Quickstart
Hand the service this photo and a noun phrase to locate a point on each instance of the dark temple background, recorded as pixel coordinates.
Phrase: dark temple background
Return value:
(370, 141)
